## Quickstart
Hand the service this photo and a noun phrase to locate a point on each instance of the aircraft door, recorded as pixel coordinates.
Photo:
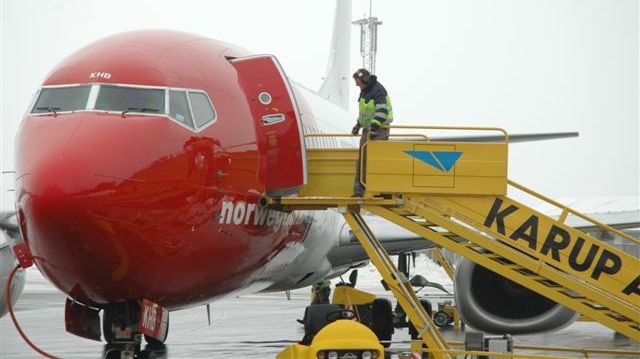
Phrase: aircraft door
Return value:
(277, 122)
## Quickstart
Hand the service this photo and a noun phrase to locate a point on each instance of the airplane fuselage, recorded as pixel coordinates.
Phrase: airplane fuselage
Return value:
(121, 203)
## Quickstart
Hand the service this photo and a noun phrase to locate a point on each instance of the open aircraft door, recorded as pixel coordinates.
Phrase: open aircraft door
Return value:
(277, 122)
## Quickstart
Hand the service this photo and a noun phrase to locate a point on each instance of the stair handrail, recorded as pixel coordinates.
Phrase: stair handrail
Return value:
(566, 210)
(454, 128)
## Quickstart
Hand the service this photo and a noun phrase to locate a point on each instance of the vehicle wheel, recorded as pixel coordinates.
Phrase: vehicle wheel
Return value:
(340, 314)
(426, 304)
(399, 317)
(315, 318)
(441, 319)
(382, 320)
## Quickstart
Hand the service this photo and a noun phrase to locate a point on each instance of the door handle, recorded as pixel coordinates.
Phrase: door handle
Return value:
(272, 119)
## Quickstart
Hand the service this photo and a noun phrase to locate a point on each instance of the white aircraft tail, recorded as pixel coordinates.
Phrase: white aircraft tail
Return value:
(335, 87)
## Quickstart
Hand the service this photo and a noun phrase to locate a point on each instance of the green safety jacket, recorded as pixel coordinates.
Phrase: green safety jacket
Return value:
(322, 285)
(374, 105)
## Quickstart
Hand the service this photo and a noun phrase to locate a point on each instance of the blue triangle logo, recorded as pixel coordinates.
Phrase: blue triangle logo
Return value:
(426, 157)
(443, 161)
(447, 159)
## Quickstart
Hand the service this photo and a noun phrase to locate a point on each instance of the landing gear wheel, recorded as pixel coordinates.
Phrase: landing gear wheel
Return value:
(441, 319)
(112, 354)
(117, 350)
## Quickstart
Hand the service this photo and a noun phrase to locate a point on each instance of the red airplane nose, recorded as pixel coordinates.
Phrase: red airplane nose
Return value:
(88, 201)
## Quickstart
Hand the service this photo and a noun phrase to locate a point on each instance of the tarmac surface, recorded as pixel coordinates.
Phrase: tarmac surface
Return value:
(253, 326)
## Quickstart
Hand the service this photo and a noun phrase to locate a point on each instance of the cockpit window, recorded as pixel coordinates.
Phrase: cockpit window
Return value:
(179, 108)
(190, 107)
(202, 110)
(130, 99)
(59, 99)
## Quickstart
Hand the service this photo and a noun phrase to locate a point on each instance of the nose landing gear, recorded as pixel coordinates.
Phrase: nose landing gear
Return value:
(120, 329)
(124, 325)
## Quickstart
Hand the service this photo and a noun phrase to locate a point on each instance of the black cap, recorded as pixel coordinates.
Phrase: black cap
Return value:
(362, 74)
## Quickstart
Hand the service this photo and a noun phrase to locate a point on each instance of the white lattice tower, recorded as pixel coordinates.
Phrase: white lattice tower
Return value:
(368, 41)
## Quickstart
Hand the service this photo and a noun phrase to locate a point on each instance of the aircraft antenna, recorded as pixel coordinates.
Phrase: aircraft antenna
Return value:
(368, 39)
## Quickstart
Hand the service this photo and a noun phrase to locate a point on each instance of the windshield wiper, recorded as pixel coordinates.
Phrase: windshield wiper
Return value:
(139, 109)
(49, 110)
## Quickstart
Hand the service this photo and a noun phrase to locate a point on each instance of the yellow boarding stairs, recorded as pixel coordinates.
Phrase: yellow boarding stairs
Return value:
(454, 194)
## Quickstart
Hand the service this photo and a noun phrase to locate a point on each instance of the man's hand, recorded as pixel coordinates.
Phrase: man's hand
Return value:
(375, 127)
(355, 129)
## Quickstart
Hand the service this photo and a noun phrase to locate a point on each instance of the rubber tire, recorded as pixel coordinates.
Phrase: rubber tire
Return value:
(113, 354)
(441, 319)
(382, 320)
(315, 318)
(426, 304)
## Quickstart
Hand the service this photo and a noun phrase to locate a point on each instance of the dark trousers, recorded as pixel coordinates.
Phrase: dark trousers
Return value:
(380, 135)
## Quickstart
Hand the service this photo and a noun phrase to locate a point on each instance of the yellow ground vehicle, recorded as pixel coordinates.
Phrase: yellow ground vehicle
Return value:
(350, 303)
(375, 313)
(342, 339)
(356, 325)
(445, 314)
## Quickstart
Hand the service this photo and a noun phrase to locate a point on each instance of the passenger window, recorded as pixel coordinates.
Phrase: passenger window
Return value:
(179, 108)
(202, 109)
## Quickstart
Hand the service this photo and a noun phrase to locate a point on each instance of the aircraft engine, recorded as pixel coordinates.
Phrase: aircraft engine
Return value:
(494, 304)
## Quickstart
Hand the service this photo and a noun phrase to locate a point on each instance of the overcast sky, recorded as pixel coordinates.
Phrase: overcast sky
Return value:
(526, 66)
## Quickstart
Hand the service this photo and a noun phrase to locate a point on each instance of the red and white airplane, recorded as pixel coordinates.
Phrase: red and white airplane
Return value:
(143, 166)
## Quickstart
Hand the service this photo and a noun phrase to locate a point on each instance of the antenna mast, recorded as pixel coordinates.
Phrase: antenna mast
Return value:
(368, 39)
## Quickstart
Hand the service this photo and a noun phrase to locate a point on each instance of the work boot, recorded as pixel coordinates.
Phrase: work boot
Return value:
(384, 195)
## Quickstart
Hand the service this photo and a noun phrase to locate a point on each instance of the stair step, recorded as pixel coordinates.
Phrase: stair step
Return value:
(550, 283)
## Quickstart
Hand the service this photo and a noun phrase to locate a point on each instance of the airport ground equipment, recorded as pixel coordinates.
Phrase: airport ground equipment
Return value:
(457, 195)
(375, 313)
(400, 319)
(342, 338)
(447, 312)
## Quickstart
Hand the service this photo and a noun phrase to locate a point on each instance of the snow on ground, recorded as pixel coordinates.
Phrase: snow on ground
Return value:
(36, 282)
(369, 278)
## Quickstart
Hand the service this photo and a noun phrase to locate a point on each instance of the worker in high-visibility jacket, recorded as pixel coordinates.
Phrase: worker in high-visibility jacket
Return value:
(320, 292)
(375, 113)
